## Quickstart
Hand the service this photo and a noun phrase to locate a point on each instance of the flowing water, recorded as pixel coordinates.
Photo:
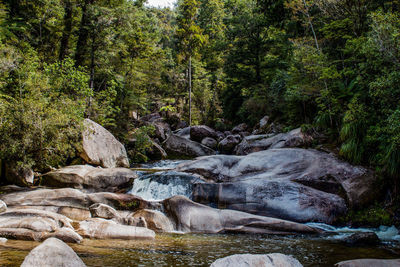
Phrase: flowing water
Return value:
(202, 250)
(158, 182)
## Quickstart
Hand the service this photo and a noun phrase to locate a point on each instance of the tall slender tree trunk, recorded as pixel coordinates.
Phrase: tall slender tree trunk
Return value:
(190, 91)
(83, 34)
(67, 29)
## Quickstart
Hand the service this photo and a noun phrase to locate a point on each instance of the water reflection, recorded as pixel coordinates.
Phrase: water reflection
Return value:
(202, 250)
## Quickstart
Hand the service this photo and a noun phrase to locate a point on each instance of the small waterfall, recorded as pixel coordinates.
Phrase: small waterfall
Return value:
(385, 233)
(162, 185)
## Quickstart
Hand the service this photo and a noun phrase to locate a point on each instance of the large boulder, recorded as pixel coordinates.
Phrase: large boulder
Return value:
(255, 143)
(52, 252)
(180, 146)
(156, 152)
(37, 225)
(369, 263)
(267, 260)
(295, 184)
(106, 229)
(184, 132)
(18, 175)
(228, 144)
(193, 217)
(88, 177)
(101, 148)
(198, 133)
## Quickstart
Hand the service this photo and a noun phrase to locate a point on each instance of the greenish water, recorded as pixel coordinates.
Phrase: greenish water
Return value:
(202, 250)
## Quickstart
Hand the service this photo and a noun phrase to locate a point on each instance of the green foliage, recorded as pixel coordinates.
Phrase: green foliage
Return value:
(373, 216)
(142, 143)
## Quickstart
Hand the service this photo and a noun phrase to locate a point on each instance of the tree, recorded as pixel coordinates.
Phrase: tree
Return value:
(190, 39)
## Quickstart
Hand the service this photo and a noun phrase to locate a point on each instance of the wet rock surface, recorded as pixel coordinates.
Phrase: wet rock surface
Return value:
(198, 133)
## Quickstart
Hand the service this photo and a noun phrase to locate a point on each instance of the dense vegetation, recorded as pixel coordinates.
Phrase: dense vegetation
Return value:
(330, 66)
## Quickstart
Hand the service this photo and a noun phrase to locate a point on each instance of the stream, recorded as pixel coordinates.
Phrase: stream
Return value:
(156, 181)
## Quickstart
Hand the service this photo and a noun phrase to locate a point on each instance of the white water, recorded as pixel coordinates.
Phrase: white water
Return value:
(385, 233)
(162, 164)
(162, 185)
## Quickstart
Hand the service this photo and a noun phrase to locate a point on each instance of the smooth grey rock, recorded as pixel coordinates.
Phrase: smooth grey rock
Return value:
(151, 117)
(191, 217)
(294, 184)
(37, 225)
(101, 148)
(209, 142)
(88, 177)
(179, 146)
(100, 210)
(3, 240)
(106, 229)
(3, 206)
(51, 253)
(266, 260)
(369, 263)
(255, 143)
(198, 133)
(184, 132)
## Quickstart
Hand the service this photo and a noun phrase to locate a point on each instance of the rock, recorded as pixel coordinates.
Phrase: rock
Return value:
(198, 133)
(156, 152)
(294, 184)
(21, 176)
(364, 239)
(191, 217)
(72, 202)
(226, 133)
(184, 132)
(179, 146)
(369, 263)
(240, 128)
(100, 210)
(3, 240)
(3, 206)
(209, 142)
(181, 125)
(101, 148)
(255, 143)
(156, 220)
(228, 144)
(221, 136)
(37, 225)
(151, 117)
(106, 229)
(162, 130)
(52, 252)
(264, 122)
(88, 177)
(266, 260)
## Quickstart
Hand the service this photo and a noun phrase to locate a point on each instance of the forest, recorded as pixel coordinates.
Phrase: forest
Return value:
(330, 67)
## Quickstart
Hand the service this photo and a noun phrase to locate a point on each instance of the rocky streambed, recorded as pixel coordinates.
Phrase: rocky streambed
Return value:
(269, 197)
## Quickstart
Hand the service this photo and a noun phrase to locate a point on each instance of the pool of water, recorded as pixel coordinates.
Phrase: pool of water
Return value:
(202, 250)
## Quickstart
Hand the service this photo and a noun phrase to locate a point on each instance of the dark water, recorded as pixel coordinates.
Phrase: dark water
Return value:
(202, 250)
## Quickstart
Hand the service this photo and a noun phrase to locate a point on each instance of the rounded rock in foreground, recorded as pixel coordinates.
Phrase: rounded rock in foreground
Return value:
(249, 260)
(369, 263)
(51, 253)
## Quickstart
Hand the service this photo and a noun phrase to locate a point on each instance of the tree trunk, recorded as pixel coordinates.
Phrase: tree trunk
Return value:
(190, 91)
(83, 34)
(67, 29)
